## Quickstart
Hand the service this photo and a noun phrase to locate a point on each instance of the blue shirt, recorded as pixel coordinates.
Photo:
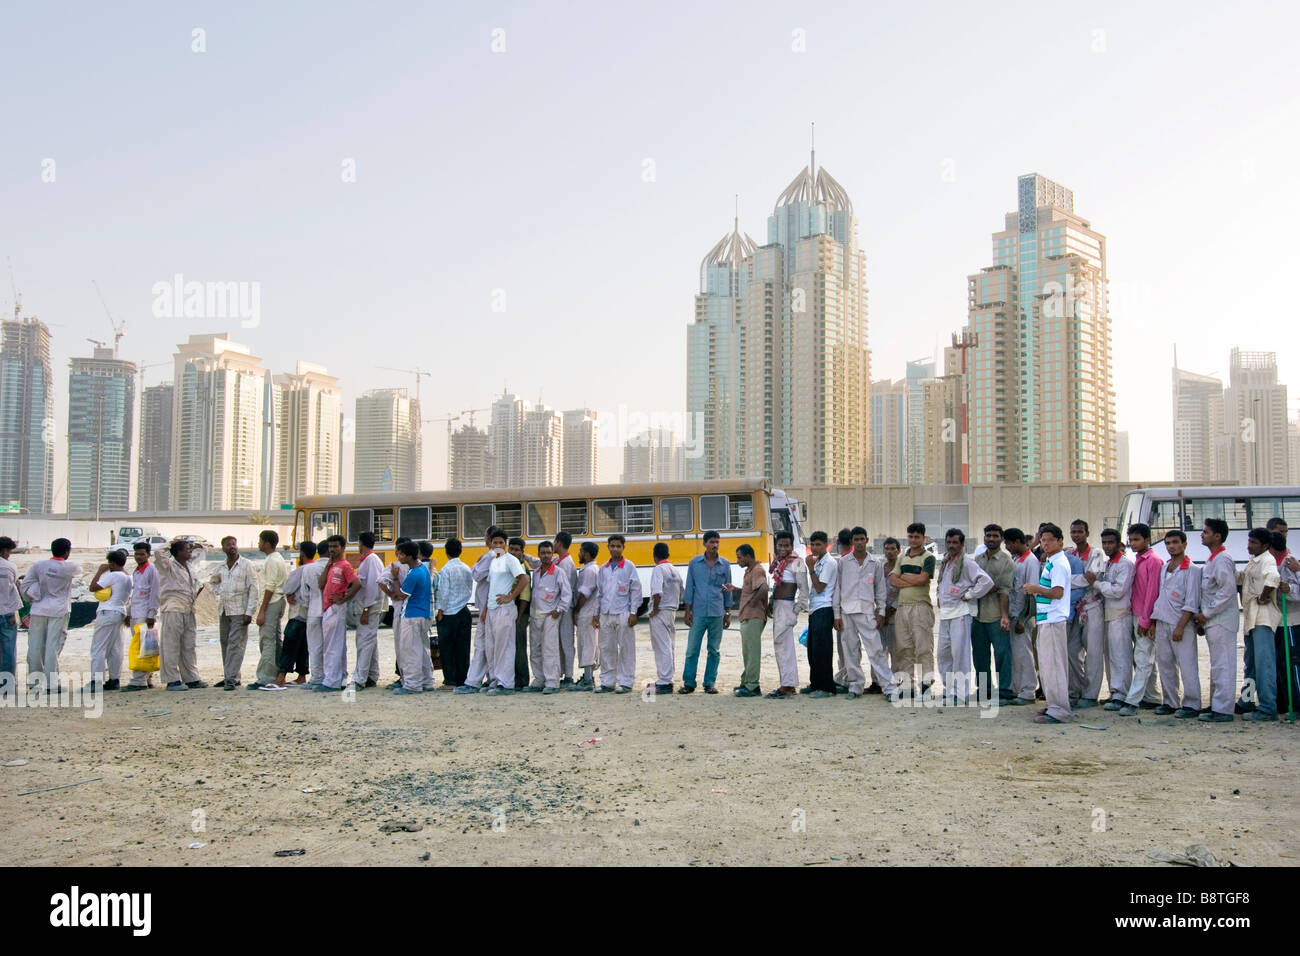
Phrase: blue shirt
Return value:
(704, 595)
(1077, 594)
(455, 584)
(418, 590)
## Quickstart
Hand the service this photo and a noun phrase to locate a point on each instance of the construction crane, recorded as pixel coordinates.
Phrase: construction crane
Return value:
(13, 284)
(419, 373)
(119, 326)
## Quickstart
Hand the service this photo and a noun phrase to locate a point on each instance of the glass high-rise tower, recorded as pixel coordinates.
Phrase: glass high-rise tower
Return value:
(1041, 400)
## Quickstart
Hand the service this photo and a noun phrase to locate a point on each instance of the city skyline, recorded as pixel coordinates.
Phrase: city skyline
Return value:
(663, 178)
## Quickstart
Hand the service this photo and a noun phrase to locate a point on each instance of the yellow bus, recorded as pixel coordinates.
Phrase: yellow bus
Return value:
(743, 511)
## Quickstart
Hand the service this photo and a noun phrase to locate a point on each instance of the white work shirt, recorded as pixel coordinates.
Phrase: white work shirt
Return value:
(119, 584)
(667, 583)
(502, 572)
(368, 573)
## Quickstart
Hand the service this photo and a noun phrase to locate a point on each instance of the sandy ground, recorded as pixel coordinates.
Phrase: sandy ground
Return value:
(579, 778)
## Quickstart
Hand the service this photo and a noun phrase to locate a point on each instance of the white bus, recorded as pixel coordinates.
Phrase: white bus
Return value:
(1186, 509)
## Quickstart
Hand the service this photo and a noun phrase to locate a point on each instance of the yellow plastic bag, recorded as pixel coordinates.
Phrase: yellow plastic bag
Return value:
(137, 663)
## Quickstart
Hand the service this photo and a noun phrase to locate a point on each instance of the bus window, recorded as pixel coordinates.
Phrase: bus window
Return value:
(607, 516)
(324, 524)
(298, 529)
(573, 517)
(781, 521)
(510, 519)
(1262, 509)
(1129, 512)
(676, 514)
(476, 519)
(639, 516)
(382, 524)
(713, 512)
(413, 523)
(740, 512)
(358, 521)
(442, 522)
(543, 518)
(1231, 510)
(1166, 515)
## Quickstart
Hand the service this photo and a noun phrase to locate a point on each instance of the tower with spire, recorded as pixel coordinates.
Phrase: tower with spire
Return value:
(713, 356)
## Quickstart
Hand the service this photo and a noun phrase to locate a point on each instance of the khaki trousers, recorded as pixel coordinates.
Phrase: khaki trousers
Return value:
(1054, 668)
(176, 638)
(234, 638)
(270, 642)
(914, 641)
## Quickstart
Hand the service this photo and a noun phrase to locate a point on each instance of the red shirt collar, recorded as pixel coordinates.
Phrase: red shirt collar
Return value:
(549, 569)
(1217, 551)
(665, 561)
(142, 568)
(1187, 563)
(1118, 555)
(1026, 553)
(621, 562)
(52, 558)
(1084, 554)
(1281, 557)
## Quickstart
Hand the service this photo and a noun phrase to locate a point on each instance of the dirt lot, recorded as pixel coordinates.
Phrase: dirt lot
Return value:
(685, 780)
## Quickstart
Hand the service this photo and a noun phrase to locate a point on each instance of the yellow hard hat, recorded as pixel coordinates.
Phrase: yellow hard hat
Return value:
(103, 594)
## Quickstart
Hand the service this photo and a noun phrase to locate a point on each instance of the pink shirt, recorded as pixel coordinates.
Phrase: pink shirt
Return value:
(1146, 586)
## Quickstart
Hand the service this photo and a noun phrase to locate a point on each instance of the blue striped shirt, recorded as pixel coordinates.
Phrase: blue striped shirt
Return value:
(455, 585)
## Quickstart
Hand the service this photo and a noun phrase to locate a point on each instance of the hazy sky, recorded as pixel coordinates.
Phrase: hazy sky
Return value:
(525, 171)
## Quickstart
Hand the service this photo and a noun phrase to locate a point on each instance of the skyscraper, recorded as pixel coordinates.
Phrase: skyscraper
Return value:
(541, 447)
(505, 437)
(218, 426)
(1041, 401)
(889, 422)
(919, 372)
(26, 415)
(653, 455)
(778, 368)
(388, 454)
(153, 480)
(1199, 435)
(805, 365)
(101, 407)
(713, 353)
(581, 448)
(1255, 412)
(467, 465)
(310, 440)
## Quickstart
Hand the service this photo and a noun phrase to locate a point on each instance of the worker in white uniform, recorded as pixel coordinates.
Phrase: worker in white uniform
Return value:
(861, 593)
(369, 570)
(665, 599)
(789, 597)
(106, 643)
(1023, 614)
(585, 611)
(1088, 629)
(506, 581)
(961, 583)
(1176, 607)
(479, 662)
(144, 605)
(564, 565)
(1115, 585)
(618, 595)
(550, 603)
(1219, 619)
